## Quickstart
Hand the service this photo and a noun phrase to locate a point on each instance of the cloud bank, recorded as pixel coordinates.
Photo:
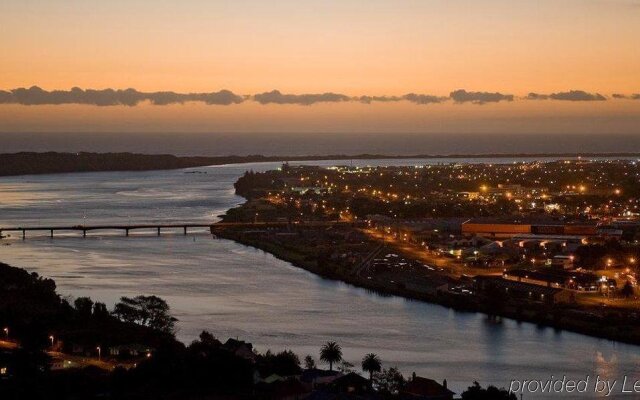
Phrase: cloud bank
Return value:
(462, 96)
(132, 97)
(411, 97)
(112, 97)
(275, 97)
(572, 95)
(635, 96)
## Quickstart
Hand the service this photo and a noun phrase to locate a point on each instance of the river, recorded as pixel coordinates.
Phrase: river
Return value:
(236, 291)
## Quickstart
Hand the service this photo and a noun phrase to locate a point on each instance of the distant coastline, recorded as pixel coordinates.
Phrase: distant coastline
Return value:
(31, 163)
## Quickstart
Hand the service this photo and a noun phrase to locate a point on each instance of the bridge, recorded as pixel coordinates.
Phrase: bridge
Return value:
(126, 228)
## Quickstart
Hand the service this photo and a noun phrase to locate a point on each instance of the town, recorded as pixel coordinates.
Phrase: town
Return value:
(554, 243)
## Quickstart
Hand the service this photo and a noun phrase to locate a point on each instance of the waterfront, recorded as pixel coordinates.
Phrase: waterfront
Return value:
(233, 290)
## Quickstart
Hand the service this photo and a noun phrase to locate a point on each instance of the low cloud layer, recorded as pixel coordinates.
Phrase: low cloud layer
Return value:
(411, 97)
(275, 97)
(572, 95)
(132, 97)
(635, 96)
(462, 96)
(111, 97)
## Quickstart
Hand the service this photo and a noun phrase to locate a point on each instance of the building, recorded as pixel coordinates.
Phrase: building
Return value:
(558, 278)
(420, 388)
(507, 227)
(487, 284)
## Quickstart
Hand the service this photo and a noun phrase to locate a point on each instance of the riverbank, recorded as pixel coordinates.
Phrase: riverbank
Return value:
(606, 324)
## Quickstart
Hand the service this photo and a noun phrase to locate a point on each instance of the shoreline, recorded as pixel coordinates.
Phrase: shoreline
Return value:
(33, 163)
(533, 314)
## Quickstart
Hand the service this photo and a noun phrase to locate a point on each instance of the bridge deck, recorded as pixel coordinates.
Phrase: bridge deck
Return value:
(185, 226)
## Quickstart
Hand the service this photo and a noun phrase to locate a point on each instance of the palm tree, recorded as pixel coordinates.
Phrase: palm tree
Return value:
(331, 352)
(371, 363)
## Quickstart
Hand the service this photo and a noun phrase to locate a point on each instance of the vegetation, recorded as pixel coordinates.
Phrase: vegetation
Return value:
(477, 392)
(309, 362)
(389, 381)
(371, 363)
(149, 311)
(331, 353)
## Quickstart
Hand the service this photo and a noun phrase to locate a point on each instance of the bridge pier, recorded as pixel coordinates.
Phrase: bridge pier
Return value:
(185, 230)
(158, 231)
(24, 234)
(51, 233)
(84, 233)
(126, 232)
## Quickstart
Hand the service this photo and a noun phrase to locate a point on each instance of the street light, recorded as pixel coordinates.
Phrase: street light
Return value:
(6, 332)
(99, 352)
(51, 338)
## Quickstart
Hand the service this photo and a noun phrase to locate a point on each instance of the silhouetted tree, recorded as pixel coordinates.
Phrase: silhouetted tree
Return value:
(345, 367)
(309, 362)
(151, 311)
(477, 392)
(371, 363)
(208, 339)
(100, 310)
(331, 352)
(389, 381)
(285, 363)
(84, 307)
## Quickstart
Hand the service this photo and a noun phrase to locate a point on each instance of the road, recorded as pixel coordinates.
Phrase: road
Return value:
(72, 360)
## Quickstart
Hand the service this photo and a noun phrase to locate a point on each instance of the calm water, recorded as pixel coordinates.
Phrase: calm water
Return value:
(233, 290)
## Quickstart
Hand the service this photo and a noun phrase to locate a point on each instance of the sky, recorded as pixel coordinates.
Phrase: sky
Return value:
(510, 66)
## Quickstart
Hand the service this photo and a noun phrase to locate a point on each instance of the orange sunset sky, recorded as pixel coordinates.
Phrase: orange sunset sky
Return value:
(350, 48)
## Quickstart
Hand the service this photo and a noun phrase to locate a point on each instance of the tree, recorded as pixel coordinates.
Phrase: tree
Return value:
(389, 381)
(371, 363)
(84, 307)
(477, 392)
(345, 367)
(286, 363)
(208, 339)
(309, 362)
(100, 310)
(627, 290)
(151, 311)
(331, 352)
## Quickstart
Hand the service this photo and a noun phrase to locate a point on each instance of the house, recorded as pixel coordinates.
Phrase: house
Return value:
(346, 387)
(289, 389)
(351, 383)
(319, 377)
(130, 350)
(562, 261)
(420, 388)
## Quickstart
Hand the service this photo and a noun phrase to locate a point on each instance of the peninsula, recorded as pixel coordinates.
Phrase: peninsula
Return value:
(28, 163)
(552, 243)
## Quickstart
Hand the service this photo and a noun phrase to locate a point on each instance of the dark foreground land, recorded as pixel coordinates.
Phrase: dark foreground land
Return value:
(52, 348)
(51, 162)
